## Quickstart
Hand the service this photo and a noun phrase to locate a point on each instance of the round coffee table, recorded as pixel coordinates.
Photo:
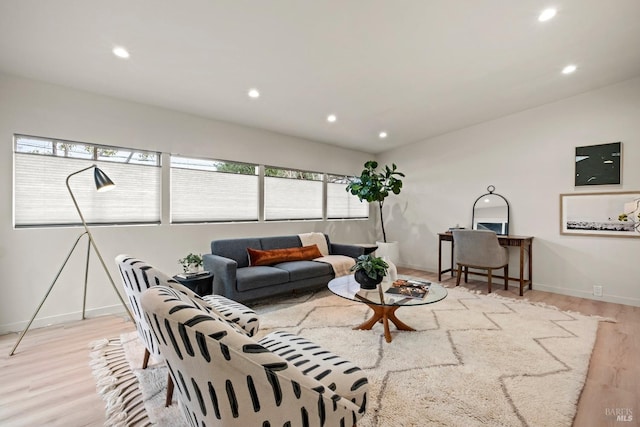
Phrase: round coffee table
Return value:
(384, 305)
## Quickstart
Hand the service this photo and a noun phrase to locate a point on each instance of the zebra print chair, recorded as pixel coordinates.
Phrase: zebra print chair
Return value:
(226, 378)
(137, 276)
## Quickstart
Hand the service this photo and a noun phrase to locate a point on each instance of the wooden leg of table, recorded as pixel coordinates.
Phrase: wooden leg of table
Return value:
(521, 269)
(530, 267)
(384, 314)
(440, 259)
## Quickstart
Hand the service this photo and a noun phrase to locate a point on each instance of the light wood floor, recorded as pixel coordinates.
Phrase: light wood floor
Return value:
(49, 382)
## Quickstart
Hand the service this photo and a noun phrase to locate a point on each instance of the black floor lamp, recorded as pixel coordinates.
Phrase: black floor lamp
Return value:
(103, 183)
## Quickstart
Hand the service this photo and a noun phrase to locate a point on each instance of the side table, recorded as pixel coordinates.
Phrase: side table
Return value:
(201, 285)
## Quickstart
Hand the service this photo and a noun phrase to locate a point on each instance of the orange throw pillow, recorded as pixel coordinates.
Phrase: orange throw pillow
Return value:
(274, 256)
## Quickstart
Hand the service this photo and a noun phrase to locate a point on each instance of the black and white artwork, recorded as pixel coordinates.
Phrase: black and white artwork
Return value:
(601, 214)
(598, 164)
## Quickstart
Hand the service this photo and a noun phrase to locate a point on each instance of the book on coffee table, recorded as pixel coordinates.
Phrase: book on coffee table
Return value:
(409, 288)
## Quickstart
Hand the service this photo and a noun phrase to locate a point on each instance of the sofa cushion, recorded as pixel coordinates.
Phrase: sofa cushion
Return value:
(277, 242)
(236, 249)
(274, 256)
(301, 270)
(260, 276)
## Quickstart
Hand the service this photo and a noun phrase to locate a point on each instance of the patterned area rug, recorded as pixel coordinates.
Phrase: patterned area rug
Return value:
(474, 360)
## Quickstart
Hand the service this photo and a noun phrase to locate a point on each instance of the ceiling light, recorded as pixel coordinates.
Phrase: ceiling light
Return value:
(547, 14)
(383, 135)
(120, 52)
(331, 118)
(569, 69)
(254, 93)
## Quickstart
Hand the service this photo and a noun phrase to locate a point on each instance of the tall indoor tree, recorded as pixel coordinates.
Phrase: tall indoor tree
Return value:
(375, 186)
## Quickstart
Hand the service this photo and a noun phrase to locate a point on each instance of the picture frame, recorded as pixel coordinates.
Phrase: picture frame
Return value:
(598, 164)
(600, 214)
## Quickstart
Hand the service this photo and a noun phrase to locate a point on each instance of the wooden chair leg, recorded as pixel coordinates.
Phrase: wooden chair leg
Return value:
(489, 279)
(169, 398)
(145, 359)
(506, 277)
(458, 275)
(466, 274)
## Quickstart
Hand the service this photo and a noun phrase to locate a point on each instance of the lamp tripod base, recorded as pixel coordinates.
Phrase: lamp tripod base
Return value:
(90, 244)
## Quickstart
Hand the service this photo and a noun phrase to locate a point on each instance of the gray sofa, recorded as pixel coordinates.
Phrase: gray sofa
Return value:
(235, 279)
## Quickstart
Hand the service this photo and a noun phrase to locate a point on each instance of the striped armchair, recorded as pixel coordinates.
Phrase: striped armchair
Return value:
(227, 378)
(137, 276)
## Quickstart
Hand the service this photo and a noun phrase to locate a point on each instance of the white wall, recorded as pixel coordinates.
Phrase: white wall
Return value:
(529, 157)
(30, 258)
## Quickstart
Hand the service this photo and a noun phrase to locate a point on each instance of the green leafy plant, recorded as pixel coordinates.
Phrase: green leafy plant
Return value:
(375, 186)
(375, 267)
(190, 260)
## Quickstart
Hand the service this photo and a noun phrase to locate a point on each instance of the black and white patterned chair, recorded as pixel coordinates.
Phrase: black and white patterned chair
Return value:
(137, 276)
(227, 378)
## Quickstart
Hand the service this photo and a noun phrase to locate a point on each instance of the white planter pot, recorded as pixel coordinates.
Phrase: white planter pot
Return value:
(391, 250)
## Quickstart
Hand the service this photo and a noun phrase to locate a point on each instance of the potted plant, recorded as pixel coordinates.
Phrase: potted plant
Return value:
(369, 271)
(191, 263)
(375, 186)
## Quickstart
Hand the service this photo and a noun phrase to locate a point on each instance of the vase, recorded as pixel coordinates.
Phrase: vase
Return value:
(365, 281)
(390, 250)
(392, 271)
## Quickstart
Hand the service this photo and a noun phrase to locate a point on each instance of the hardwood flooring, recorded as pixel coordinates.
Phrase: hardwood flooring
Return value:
(49, 382)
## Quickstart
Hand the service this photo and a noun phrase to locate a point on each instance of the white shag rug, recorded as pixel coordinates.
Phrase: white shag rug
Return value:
(474, 360)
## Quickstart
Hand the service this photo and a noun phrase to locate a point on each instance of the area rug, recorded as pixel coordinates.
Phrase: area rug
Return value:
(474, 360)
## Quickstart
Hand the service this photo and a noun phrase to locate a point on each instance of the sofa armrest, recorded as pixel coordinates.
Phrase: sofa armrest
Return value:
(224, 274)
(353, 251)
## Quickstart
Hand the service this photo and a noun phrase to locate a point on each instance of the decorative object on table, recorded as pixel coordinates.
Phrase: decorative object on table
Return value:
(490, 212)
(369, 271)
(598, 164)
(375, 186)
(191, 263)
(103, 183)
(409, 288)
(599, 214)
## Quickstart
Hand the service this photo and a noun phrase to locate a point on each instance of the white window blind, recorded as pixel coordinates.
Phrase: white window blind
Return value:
(41, 198)
(341, 204)
(205, 190)
(290, 195)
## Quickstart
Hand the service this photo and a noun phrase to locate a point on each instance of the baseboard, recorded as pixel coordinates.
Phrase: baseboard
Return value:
(587, 295)
(41, 322)
(553, 289)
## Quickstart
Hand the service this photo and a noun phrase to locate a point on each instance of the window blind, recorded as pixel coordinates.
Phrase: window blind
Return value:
(289, 198)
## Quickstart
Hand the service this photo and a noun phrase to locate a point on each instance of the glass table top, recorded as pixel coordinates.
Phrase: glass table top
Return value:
(347, 287)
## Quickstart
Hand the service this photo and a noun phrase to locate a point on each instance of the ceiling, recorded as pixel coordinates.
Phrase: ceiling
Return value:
(413, 68)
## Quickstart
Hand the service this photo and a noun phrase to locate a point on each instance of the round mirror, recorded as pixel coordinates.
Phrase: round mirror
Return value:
(491, 212)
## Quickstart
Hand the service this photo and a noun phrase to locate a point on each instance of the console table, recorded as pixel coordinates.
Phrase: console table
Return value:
(524, 242)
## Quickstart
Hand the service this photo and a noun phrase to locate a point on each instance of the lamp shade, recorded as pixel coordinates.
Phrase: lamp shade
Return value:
(103, 183)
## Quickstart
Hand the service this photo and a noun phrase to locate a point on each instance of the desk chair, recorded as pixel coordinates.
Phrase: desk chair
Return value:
(479, 249)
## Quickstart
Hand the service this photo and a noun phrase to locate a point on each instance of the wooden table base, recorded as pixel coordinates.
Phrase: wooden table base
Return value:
(384, 313)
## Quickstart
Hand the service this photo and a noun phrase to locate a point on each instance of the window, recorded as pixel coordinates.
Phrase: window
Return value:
(292, 194)
(41, 198)
(205, 190)
(342, 204)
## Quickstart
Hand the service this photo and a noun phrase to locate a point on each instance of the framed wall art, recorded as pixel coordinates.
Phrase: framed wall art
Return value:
(598, 164)
(615, 214)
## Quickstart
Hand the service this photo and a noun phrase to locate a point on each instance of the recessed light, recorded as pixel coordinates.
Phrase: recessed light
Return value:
(331, 118)
(383, 135)
(120, 52)
(569, 69)
(547, 14)
(253, 93)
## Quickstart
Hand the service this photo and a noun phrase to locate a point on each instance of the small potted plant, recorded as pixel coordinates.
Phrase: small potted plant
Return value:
(191, 263)
(369, 271)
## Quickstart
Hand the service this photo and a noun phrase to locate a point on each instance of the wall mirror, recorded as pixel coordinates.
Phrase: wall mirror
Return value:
(491, 212)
